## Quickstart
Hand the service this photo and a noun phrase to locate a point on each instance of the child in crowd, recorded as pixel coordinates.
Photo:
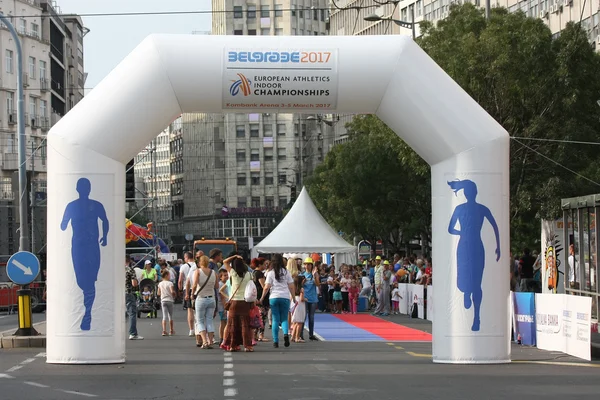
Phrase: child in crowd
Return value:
(298, 310)
(353, 293)
(338, 300)
(166, 291)
(146, 294)
(223, 297)
(396, 300)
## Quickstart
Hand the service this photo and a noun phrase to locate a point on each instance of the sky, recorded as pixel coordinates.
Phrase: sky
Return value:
(111, 38)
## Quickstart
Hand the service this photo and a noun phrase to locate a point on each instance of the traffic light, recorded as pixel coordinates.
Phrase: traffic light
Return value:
(293, 193)
(130, 182)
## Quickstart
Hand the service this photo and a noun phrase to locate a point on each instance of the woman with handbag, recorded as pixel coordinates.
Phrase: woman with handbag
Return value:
(238, 329)
(203, 291)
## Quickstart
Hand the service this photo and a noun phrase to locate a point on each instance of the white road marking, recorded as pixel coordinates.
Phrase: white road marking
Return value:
(226, 366)
(6, 376)
(15, 368)
(4, 316)
(28, 361)
(228, 382)
(228, 359)
(41, 355)
(227, 354)
(228, 373)
(230, 392)
(77, 393)
(35, 384)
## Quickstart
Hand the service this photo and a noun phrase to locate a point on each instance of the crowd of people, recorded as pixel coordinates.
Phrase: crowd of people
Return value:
(286, 294)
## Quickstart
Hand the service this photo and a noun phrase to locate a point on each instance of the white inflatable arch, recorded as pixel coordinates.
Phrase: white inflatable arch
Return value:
(167, 75)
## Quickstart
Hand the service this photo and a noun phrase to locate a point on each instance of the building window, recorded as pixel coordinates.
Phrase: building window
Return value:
(10, 68)
(278, 31)
(43, 108)
(255, 178)
(279, 10)
(267, 130)
(265, 31)
(419, 8)
(254, 155)
(255, 202)
(269, 201)
(237, 12)
(42, 69)
(240, 156)
(316, 14)
(254, 132)
(315, 33)
(35, 30)
(22, 26)
(251, 11)
(293, 10)
(281, 154)
(280, 129)
(240, 131)
(282, 201)
(10, 103)
(268, 154)
(32, 68)
(238, 32)
(293, 31)
(32, 107)
(300, 12)
(282, 179)
(264, 12)
(322, 15)
(268, 178)
(242, 202)
(404, 14)
(251, 32)
(241, 179)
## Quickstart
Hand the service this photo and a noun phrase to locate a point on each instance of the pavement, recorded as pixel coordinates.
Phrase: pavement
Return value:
(173, 368)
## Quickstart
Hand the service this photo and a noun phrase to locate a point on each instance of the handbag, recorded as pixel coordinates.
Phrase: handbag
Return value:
(250, 293)
(255, 318)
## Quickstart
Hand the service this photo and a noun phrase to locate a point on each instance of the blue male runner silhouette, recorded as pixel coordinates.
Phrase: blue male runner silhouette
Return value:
(470, 252)
(83, 214)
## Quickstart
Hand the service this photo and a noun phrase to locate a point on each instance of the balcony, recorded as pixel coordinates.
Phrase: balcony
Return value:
(44, 123)
(10, 162)
(12, 117)
(44, 86)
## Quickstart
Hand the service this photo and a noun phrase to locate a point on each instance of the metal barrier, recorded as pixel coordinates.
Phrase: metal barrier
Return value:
(9, 298)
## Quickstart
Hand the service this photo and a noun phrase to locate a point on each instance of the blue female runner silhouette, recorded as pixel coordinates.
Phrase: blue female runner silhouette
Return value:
(470, 252)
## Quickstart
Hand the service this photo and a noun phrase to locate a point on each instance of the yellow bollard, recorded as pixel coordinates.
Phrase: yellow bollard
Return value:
(24, 302)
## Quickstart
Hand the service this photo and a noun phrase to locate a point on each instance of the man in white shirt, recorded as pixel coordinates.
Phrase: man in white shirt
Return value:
(185, 272)
(573, 265)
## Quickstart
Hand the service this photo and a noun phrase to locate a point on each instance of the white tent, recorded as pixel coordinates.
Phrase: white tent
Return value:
(304, 230)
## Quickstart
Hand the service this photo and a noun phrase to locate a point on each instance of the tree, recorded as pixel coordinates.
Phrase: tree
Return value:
(536, 88)
(374, 186)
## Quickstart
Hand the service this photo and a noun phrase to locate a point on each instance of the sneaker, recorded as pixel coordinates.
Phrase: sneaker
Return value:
(276, 345)
(286, 340)
(135, 337)
(314, 338)
(191, 334)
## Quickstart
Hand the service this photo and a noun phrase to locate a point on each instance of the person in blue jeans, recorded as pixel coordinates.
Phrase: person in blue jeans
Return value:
(131, 284)
(311, 283)
(280, 288)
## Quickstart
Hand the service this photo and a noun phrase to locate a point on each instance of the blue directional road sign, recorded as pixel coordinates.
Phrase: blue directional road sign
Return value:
(23, 267)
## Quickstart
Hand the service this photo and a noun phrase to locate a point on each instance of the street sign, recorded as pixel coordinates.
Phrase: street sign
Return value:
(23, 267)
(189, 237)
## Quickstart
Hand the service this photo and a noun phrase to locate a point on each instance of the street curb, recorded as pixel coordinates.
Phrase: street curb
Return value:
(9, 341)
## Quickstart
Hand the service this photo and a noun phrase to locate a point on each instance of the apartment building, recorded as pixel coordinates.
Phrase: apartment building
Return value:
(53, 81)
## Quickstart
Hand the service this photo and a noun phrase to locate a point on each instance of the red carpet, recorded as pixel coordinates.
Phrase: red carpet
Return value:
(387, 330)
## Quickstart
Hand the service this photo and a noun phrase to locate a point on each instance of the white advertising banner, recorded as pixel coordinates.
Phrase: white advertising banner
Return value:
(295, 79)
(402, 288)
(430, 303)
(418, 293)
(553, 268)
(563, 324)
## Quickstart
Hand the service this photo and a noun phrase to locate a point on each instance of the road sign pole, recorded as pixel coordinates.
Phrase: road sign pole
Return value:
(25, 325)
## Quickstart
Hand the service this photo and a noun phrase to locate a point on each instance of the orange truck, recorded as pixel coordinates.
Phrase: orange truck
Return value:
(227, 246)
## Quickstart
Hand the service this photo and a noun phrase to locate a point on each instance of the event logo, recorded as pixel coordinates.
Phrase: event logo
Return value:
(242, 84)
(470, 252)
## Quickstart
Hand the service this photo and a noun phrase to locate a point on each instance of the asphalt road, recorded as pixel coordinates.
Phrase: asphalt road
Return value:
(8, 322)
(173, 368)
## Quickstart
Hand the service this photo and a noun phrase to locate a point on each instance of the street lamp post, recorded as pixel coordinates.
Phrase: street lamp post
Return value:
(23, 219)
(403, 24)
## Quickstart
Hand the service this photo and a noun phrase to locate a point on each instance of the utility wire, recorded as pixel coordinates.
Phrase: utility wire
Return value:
(150, 13)
(557, 163)
(555, 140)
